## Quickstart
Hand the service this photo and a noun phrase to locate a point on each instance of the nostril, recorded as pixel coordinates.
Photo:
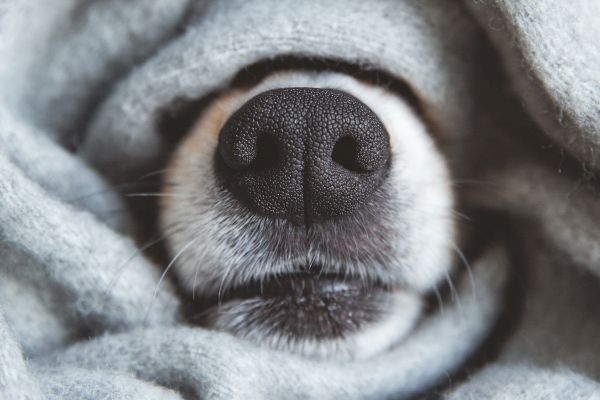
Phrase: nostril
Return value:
(250, 153)
(237, 152)
(345, 153)
(267, 153)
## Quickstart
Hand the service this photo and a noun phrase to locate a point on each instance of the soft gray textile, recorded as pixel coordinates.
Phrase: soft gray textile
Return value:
(512, 87)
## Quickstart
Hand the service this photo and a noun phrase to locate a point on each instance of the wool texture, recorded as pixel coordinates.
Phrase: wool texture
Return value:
(511, 89)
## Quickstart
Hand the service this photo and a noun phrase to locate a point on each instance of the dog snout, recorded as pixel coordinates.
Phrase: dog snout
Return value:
(303, 154)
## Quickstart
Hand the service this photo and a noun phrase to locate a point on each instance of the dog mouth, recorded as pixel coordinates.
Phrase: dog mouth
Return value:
(301, 305)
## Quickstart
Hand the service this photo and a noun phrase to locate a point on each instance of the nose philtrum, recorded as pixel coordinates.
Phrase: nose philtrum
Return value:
(303, 154)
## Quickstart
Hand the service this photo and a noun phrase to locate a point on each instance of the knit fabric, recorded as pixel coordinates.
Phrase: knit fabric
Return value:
(510, 87)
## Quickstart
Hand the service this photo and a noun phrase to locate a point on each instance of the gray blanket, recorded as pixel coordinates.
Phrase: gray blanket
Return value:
(513, 89)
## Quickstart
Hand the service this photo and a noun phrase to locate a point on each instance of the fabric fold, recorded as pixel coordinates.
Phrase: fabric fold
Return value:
(216, 365)
(15, 380)
(420, 42)
(551, 51)
(90, 263)
(84, 313)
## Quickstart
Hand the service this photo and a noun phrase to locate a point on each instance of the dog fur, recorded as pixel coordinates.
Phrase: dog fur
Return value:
(217, 245)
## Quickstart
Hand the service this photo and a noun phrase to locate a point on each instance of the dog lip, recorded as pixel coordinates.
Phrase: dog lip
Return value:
(300, 286)
(297, 285)
(299, 305)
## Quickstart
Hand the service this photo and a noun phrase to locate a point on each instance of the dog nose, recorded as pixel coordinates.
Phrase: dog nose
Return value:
(303, 154)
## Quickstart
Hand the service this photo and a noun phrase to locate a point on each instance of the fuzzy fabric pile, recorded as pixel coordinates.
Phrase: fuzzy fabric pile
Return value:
(510, 87)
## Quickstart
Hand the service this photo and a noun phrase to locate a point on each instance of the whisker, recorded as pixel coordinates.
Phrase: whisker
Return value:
(111, 189)
(155, 173)
(122, 267)
(461, 215)
(220, 293)
(196, 270)
(200, 315)
(467, 265)
(164, 274)
(155, 194)
(117, 189)
(142, 180)
(454, 292)
(440, 301)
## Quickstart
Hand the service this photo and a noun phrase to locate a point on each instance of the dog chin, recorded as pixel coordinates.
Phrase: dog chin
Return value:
(342, 323)
(345, 288)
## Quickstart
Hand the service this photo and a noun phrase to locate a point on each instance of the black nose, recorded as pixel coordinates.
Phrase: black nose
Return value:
(303, 154)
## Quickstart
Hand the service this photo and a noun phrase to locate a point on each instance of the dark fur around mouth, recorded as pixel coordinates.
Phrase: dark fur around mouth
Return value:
(300, 305)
